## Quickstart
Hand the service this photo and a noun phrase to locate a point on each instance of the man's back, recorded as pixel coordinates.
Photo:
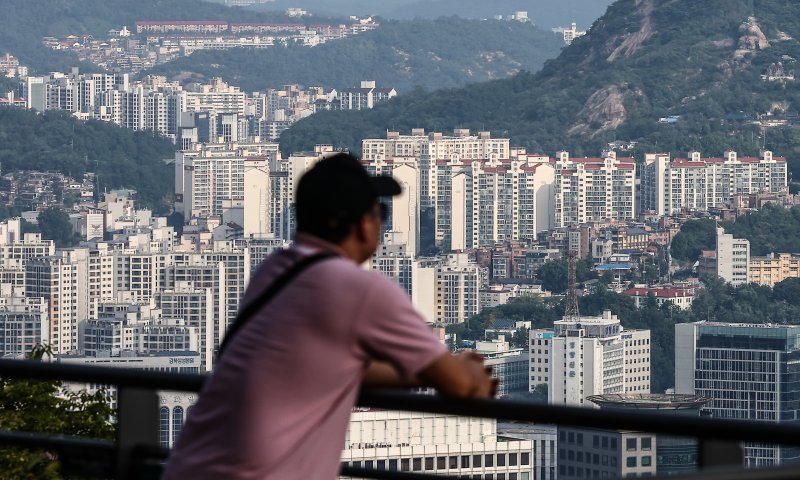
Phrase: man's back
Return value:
(280, 398)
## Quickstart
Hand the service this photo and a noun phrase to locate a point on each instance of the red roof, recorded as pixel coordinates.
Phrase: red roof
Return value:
(672, 292)
(184, 22)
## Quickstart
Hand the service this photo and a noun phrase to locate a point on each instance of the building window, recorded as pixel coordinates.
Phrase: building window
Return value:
(417, 464)
(512, 459)
(525, 458)
(428, 463)
(630, 444)
(164, 426)
(647, 443)
(177, 422)
(646, 461)
(464, 461)
(630, 461)
(489, 461)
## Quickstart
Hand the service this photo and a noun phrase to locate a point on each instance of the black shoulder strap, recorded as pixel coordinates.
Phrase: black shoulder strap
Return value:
(249, 310)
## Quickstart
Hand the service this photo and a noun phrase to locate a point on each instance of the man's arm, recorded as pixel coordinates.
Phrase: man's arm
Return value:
(459, 376)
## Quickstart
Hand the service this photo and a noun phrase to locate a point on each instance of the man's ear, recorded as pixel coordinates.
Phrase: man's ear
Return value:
(361, 228)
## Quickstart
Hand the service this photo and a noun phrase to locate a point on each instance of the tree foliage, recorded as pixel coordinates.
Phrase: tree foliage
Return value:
(428, 53)
(770, 229)
(46, 407)
(122, 158)
(54, 225)
(694, 237)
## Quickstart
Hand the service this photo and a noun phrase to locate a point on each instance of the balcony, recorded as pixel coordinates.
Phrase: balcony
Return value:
(136, 453)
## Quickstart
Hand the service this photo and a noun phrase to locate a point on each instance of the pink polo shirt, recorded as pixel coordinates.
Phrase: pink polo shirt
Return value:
(278, 403)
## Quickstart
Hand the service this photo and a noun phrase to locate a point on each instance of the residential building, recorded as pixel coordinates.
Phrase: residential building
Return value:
(748, 370)
(365, 96)
(680, 296)
(593, 189)
(733, 258)
(699, 184)
(774, 268)
(62, 281)
(24, 322)
(210, 179)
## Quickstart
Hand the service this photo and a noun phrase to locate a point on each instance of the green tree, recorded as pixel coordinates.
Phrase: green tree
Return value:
(46, 407)
(694, 237)
(55, 225)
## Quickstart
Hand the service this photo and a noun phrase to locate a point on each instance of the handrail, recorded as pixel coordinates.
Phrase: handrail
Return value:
(134, 386)
(755, 431)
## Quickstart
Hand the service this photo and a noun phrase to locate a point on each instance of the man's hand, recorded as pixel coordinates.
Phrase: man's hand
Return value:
(460, 376)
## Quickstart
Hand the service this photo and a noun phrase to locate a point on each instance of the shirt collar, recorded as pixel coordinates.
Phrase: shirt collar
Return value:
(308, 243)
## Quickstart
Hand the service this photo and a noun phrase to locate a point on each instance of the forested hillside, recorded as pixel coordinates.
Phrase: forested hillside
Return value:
(544, 13)
(57, 141)
(643, 60)
(770, 230)
(25, 22)
(429, 53)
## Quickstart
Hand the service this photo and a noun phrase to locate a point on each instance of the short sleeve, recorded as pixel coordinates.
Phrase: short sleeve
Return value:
(390, 329)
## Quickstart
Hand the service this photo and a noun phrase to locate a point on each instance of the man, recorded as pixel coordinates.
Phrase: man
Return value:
(279, 401)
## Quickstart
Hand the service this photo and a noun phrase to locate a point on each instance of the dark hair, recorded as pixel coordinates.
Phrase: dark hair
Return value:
(334, 194)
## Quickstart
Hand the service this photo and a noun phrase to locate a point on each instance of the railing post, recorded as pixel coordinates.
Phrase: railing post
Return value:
(137, 426)
(719, 453)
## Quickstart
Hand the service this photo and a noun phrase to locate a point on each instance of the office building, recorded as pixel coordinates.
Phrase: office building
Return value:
(749, 372)
(589, 356)
(436, 444)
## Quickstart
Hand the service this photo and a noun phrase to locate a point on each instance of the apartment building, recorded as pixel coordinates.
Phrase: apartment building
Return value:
(483, 203)
(733, 258)
(24, 322)
(748, 370)
(62, 281)
(365, 96)
(697, 183)
(593, 189)
(210, 179)
(426, 150)
(589, 356)
(773, 268)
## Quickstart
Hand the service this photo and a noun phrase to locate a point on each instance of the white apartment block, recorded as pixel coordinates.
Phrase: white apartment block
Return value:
(733, 258)
(637, 360)
(62, 281)
(137, 328)
(24, 322)
(210, 177)
(593, 189)
(364, 96)
(436, 444)
(590, 356)
(426, 150)
(697, 183)
(483, 203)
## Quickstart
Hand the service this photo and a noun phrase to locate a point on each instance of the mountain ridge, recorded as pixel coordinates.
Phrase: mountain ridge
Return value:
(643, 60)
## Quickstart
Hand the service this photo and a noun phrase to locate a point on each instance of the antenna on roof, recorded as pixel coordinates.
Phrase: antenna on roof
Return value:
(571, 312)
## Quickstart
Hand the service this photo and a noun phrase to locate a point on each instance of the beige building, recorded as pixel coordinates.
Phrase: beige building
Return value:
(774, 268)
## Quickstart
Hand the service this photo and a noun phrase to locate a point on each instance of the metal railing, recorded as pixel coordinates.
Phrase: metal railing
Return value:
(136, 452)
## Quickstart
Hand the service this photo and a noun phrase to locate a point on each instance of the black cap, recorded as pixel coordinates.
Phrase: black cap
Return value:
(336, 192)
